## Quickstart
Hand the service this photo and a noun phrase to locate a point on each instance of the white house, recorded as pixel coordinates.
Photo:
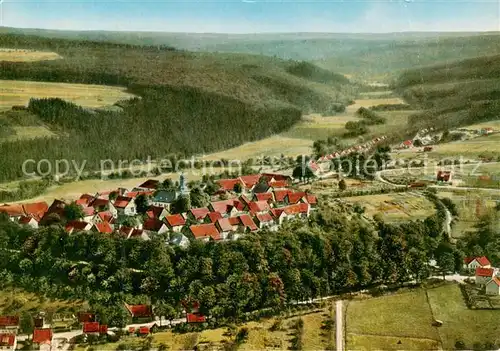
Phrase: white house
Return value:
(29, 221)
(484, 275)
(175, 222)
(125, 206)
(471, 263)
(493, 286)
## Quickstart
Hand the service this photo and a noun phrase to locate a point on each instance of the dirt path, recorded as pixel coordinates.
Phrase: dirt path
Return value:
(339, 325)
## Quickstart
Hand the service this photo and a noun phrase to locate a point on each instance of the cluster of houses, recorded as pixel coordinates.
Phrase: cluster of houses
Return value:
(260, 201)
(486, 276)
(357, 148)
(9, 330)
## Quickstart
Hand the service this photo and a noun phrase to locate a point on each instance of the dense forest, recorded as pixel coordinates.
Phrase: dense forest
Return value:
(187, 103)
(336, 251)
(454, 94)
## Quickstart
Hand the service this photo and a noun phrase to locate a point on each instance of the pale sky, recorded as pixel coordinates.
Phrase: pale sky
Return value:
(255, 16)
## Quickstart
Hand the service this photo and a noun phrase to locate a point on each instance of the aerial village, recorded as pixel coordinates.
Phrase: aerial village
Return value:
(265, 201)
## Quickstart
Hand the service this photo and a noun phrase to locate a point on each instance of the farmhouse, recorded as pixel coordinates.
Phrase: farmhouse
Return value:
(198, 214)
(29, 221)
(205, 232)
(77, 226)
(265, 220)
(8, 341)
(175, 222)
(156, 212)
(140, 312)
(42, 336)
(149, 184)
(471, 263)
(154, 226)
(493, 286)
(103, 227)
(484, 275)
(125, 206)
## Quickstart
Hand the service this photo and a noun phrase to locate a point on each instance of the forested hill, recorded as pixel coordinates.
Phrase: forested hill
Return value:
(454, 94)
(190, 102)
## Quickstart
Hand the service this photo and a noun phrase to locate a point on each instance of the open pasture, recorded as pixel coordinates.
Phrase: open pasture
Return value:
(395, 207)
(24, 55)
(15, 92)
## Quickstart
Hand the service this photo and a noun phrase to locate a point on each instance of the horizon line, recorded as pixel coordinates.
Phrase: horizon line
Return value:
(252, 33)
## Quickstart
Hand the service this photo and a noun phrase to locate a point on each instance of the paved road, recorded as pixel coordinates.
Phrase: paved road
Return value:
(339, 314)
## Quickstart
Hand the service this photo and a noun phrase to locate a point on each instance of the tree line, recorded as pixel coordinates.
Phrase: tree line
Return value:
(334, 252)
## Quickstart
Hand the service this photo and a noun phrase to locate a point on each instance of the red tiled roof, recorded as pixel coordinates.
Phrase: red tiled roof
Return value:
(295, 197)
(150, 184)
(12, 210)
(106, 216)
(482, 260)
(276, 176)
(312, 199)
(279, 195)
(484, 272)
(200, 213)
(153, 224)
(214, 216)
(7, 339)
(122, 201)
(313, 166)
(250, 180)
(408, 142)
(224, 225)
(103, 329)
(234, 221)
(88, 211)
(278, 184)
(205, 230)
(264, 217)
(195, 318)
(259, 206)
(104, 227)
(228, 184)
(9, 321)
(99, 203)
(296, 209)
(248, 222)
(91, 327)
(36, 209)
(223, 206)
(264, 197)
(85, 200)
(42, 336)
(175, 220)
(139, 310)
(155, 211)
(134, 194)
(276, 212)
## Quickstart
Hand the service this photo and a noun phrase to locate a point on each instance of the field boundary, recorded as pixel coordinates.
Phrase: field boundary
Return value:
(433, 317)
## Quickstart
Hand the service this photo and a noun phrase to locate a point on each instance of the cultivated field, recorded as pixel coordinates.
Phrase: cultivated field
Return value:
(395, 207)
(17, 55)
(14, 92)
(404, 321)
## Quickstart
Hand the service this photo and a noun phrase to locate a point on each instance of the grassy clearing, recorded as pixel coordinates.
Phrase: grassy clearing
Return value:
(402, 315)
(375, 342)
(29, 133)
(395, 207)
(460, 323)
(15, 92)
(18, 55)
(272, 146)
(470, 205)
(485, 145)
(16, 301)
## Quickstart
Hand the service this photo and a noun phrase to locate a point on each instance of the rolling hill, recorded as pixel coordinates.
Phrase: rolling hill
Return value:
(455, 94)
(363, 56)
(188, 103)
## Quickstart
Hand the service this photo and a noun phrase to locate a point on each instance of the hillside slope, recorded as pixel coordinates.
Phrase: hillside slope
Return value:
(455, 94)
(190, 102)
